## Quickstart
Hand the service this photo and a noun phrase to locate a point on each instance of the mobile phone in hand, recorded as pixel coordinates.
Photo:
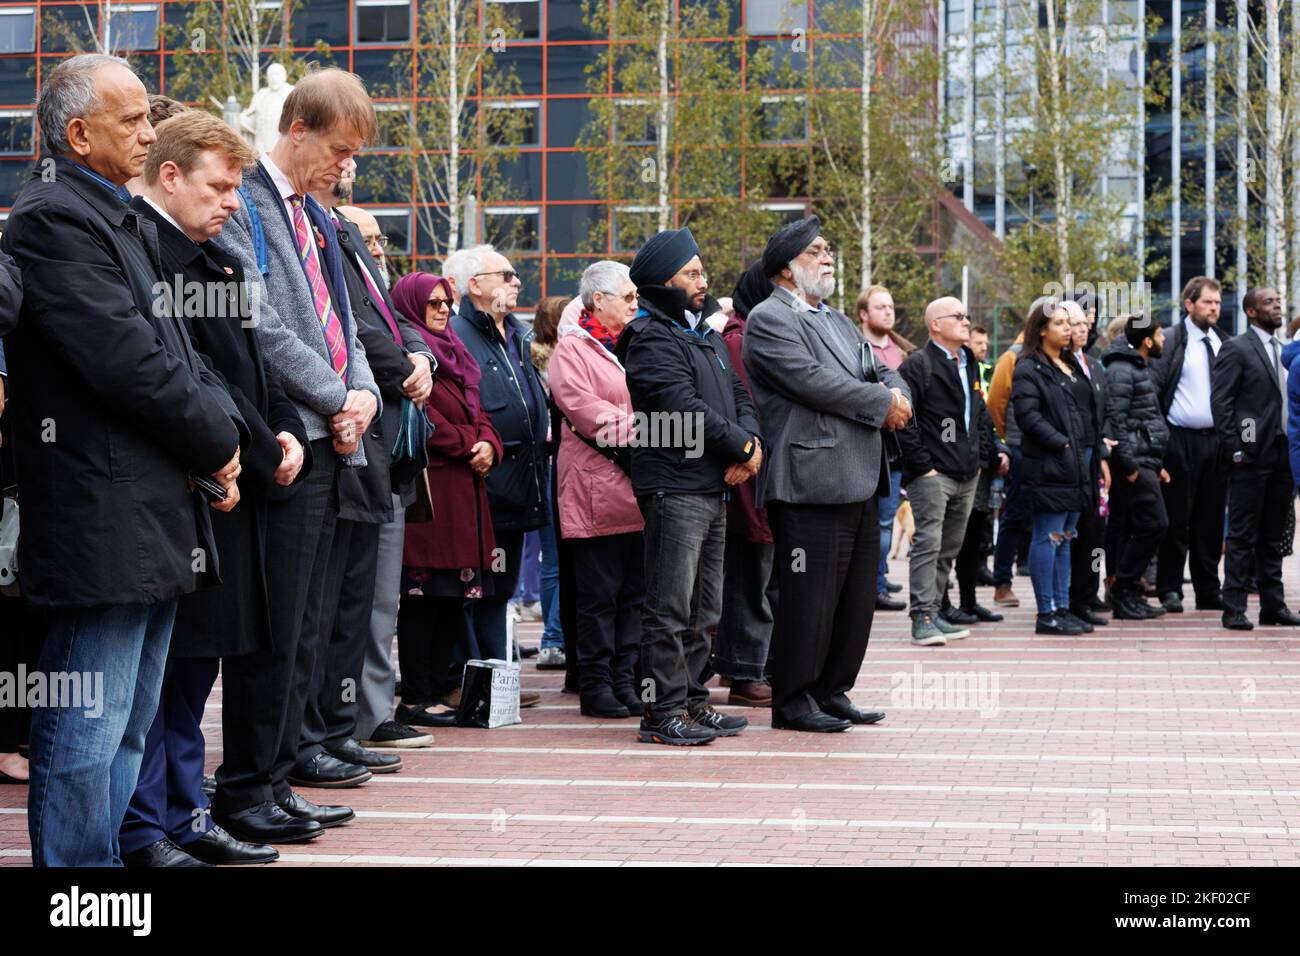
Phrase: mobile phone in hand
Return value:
(212, 490)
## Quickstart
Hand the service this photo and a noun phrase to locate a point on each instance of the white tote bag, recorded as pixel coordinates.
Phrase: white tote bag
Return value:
(489, 690)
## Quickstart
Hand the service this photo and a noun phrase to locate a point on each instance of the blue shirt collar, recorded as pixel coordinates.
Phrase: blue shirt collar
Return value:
(960, 357)
(120, 192)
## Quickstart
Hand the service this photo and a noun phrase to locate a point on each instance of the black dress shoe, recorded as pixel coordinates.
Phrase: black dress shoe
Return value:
(1056, 624)
(982, 614)
(1211, 603)
(1282, 616)
(893, 588)
(957, 616)
(814, 722)
(1069, 617)
(219, 848)
(326, 771)
(267, 823)
(352, 752)
(602, 703)
(160, 853)
(302, 808)
(1237, 621)
(1172, 602)
(854, 715)
(630, 699)
(1088, 616)
(984, 577)
(885, 603)
(422, 716)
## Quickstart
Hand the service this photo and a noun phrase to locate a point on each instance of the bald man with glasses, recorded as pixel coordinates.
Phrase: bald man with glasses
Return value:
(942, 458)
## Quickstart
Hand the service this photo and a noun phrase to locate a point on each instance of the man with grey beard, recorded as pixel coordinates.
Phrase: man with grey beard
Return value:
(823, 401)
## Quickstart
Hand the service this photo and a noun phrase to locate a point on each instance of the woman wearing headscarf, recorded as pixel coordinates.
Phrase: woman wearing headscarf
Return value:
(447, 547)
(598, 513)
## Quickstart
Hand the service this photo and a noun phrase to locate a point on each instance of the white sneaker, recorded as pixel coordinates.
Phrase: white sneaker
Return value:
(552, 659)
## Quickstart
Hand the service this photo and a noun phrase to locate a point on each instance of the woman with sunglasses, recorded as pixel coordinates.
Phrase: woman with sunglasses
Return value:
(445, 555)
(1060, 439)
(598, 513)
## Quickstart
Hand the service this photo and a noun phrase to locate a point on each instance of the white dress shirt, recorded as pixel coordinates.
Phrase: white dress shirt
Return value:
(1191, 405)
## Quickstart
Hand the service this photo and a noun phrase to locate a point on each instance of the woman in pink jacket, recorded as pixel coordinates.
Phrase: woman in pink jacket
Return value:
(598, 513)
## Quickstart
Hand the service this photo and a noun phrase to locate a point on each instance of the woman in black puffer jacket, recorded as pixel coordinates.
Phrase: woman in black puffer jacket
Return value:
(1060, 448)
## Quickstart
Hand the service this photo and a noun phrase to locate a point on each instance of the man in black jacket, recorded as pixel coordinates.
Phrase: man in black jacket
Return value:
(190, 185)
(1195, 462)
(942, 458)
(118, 417)
(697, 437)
(1135, 422)
(1250, 414)
(511, 393)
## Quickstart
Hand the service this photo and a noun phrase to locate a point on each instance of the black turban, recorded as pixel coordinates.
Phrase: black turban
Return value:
(752, 288)
(787, 242)
(662, 256)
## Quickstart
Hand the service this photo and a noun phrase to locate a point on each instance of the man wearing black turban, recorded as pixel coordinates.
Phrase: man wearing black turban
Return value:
(697, 438)
(825, 403)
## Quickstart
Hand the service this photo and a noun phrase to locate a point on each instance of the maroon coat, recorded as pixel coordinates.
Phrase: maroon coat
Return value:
(743, 513)
(460, 534)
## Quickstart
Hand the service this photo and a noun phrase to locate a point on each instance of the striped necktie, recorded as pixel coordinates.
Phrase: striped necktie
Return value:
(330, 324)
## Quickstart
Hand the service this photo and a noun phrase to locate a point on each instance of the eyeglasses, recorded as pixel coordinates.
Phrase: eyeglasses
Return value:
(816, 252)
(507, 275)
(959, 316)
(439, 303)
(629, 298)
(380, 241)
(696, 275)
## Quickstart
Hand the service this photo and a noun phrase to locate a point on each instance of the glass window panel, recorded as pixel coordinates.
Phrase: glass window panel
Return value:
(130, 27)
(396, 225)
(65, 28)
(775, 17)
(566, 176)
(566, 67)
(513, 228)
(383, 21)
(516, 123)
(17, 132)
(18, 80)
(320, 20)
(18, 30)
(565, 21)
(525, 17)
(569, 228)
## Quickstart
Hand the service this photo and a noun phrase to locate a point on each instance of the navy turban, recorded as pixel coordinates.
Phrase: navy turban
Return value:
(662, 256)
(787, 242)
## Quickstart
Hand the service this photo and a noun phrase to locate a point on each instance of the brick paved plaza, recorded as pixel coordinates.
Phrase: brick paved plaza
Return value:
(1172, 743)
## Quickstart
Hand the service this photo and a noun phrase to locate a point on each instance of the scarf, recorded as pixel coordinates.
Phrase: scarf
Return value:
(411, 295)
(596, 329)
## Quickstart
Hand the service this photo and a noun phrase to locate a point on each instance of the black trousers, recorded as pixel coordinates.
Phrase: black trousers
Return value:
(1144, 528)
(331, 712)
(1258, 494)
(264, 694)
(22, 633)
(1195, 495)
(427, 628)
(971, 556)
(1086, 551)
(825, 558)
(610, 579)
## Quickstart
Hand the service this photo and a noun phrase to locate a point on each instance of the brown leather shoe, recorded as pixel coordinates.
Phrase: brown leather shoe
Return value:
(529, 698)
(1005, 597)
(750, 693)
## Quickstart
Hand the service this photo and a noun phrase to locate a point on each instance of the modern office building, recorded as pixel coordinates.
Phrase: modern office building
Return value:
(1178, 198)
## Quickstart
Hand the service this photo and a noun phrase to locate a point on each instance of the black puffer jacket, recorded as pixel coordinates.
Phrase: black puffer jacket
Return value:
(1134, 418)
(675, 370)
(1055, 470)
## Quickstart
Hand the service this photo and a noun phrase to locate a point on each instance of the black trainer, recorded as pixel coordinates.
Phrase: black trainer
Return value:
(1056, 624)
(678, 731)
(1072, 618)
(393, 734)
(720, 724)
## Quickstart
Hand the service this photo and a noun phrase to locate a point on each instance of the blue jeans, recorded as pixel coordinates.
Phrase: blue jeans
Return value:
(1015, 512)
(1049, 559)
(529, 590)
(84, 766)
(888, 509)
(552, 631)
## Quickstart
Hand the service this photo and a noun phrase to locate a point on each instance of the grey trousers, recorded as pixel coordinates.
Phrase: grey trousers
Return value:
(378, 676)
(940, 507)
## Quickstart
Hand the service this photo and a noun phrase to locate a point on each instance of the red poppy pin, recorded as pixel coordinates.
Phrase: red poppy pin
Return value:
(320, 239)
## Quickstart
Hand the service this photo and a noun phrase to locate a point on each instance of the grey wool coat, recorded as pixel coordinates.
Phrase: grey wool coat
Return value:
(821, 418)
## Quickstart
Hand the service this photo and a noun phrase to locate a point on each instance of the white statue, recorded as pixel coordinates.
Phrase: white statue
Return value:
(262, 118)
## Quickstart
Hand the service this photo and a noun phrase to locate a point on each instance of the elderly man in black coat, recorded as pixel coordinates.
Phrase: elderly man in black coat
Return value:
(120, 426)
(190, 185)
